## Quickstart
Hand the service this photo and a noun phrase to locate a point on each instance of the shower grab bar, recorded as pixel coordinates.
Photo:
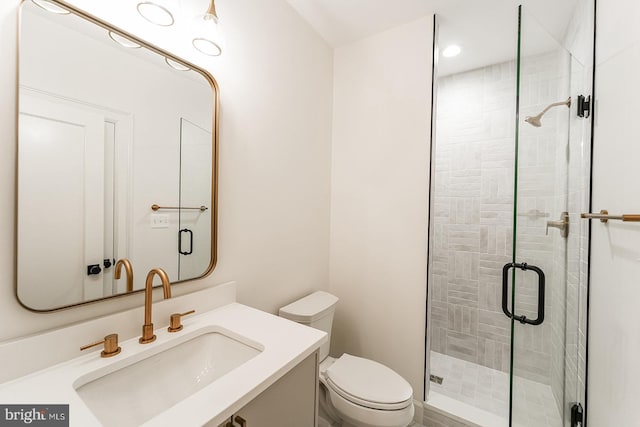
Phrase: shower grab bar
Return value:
(155, 207)
(505, 289)
(604, 217)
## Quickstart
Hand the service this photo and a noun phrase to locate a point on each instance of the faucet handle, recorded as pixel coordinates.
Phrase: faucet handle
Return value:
(175, 324)
(111, 347)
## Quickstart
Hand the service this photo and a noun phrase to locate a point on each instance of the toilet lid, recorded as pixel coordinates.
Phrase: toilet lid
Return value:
(368, 383)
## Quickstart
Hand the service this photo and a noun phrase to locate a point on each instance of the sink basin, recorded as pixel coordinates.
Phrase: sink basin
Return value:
(136, 392)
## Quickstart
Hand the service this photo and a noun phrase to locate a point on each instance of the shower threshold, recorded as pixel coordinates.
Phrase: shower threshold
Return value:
(475, 395)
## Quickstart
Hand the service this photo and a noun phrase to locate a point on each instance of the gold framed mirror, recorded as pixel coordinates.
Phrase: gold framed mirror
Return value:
(117, 160)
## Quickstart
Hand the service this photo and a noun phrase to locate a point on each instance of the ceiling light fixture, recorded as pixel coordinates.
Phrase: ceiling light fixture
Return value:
(176, 65)
(51, 7)
(451, 51)
(156, 12)
(123, 41)
(209, 36)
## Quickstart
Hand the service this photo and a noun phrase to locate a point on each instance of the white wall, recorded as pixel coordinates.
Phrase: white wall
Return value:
(275, 81)
(379, 201)
(614, 329)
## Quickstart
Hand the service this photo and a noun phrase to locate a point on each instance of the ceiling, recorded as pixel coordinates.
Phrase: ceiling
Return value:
(344, 21)
(485, 29)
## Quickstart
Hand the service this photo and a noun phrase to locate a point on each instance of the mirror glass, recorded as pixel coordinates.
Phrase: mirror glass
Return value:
(108, 128)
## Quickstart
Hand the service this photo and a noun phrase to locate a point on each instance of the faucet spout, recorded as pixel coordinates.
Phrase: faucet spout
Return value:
(147, 329)
(128, 268)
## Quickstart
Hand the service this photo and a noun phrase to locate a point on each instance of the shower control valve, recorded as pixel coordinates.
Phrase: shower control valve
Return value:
(562, 225)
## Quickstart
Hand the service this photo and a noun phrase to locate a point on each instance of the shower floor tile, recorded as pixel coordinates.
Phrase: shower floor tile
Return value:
(488, 389)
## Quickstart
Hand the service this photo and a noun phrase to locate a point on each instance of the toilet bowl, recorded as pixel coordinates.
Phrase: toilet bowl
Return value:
(354, 391)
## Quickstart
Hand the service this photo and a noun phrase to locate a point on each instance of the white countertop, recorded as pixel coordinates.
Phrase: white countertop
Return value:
(284, 344)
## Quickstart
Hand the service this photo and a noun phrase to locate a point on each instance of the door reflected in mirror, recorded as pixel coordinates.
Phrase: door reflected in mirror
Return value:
(106, 130)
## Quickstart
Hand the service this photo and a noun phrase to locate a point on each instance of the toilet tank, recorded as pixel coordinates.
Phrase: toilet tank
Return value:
(315, 310)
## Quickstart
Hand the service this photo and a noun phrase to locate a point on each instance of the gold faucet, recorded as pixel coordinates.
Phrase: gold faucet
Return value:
(129, 271)
(147, 329)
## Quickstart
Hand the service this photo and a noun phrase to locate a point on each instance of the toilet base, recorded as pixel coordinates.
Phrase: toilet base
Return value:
(330, 416)
(335, 416)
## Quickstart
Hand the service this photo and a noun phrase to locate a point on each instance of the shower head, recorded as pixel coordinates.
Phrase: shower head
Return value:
(537, 120)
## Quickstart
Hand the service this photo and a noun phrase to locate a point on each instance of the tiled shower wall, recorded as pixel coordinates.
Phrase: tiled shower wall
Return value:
(472, 209)
(473, 213)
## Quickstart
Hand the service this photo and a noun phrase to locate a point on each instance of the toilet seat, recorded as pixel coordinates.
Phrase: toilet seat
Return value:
(368, 383)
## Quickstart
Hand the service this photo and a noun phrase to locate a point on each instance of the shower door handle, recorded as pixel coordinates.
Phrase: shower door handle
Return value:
(505, 289)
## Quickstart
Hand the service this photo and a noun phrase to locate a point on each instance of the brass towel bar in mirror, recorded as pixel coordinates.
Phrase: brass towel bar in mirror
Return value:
(155, 207)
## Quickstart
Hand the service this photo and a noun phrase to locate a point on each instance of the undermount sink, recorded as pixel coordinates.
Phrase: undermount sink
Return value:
(136, 391)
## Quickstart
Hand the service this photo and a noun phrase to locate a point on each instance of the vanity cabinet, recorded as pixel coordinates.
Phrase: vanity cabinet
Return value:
(290, 402)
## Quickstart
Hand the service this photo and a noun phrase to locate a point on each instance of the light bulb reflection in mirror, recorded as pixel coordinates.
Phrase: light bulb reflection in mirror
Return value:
(51, 7)
(123, 41)
(176, 65)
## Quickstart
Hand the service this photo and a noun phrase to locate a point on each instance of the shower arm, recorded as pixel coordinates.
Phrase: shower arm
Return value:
(556, 104)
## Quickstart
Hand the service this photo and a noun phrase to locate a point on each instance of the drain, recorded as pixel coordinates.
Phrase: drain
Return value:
(436, 379)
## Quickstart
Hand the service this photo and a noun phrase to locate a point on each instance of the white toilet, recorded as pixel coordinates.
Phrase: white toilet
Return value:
(354, 392)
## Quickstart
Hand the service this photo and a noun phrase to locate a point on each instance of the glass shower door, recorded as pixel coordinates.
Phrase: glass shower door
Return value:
(537, 295)
(508, 252)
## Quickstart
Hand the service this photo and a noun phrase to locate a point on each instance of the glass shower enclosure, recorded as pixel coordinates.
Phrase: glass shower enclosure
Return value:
(508, 252)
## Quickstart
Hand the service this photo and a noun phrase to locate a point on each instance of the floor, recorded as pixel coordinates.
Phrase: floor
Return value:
(488, 389)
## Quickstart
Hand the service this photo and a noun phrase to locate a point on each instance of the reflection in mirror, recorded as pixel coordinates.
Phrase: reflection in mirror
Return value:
(108, 128)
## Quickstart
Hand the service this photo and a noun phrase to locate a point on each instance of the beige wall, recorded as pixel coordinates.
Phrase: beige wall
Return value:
(379, 201)
(275, 130)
